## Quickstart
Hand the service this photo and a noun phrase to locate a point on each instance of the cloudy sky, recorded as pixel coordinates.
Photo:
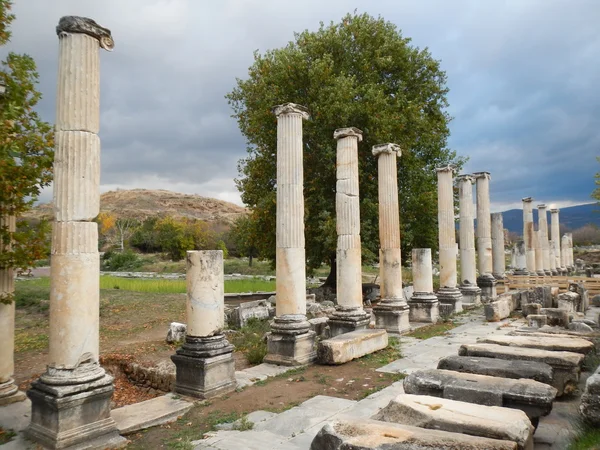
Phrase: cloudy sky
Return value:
(523, 78)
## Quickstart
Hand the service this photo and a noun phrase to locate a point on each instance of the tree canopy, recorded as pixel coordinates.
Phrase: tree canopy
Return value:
(596, 192)
(363, 73)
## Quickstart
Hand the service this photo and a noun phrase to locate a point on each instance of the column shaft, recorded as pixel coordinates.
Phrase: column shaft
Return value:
(484, 227)
(468, 271)
(539, 253)
(447, 230)
(544, 243)
(424, 304)
(528, 234)
(498, 257)
(205, 293)
(521, 258)
(555, 235)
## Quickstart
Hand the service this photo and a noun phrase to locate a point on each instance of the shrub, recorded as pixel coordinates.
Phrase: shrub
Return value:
(121, 261)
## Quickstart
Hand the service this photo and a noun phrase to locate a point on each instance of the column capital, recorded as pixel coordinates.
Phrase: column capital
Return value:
(541, 206)
(466, 177)
(386, 148)
(485, 175)
(291, 108)
(348, 132)
(527, 199)
(447, 168)
(554, 210)
(84, 25)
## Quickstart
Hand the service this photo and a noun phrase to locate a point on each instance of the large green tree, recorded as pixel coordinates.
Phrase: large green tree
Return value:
(363, 73)
(26, 154)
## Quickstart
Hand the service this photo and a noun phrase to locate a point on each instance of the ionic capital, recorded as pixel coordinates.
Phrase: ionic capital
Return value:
(386, 148)
(466, 178)
(291, 108)
(348, 132)
(527, 199)
(83, 25)
(485, 175)
(449, 168)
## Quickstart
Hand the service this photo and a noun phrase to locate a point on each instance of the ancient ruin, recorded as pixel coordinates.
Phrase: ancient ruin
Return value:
(498, 261)
(528, 234)
(486, 280)
(424, 305)
(468, 274)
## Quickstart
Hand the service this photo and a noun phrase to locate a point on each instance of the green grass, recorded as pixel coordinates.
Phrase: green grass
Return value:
(587, 437)
(162, 286)
(6, 436)
(33, 294)
(436, 329)
(382, 357)
(249, 340)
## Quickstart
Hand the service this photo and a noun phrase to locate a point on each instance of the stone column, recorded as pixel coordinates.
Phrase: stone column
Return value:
(486, 280)
(349, 314)
(539, 253)
(555, 234)
(204, 363)
(290, 342)
(71, 400)
(553, 267)
(392, 311)
(528, 234)
(570, 255)
(498, 257)
(520, 258)
(468, 274)
(424, 306)
(9, 392)
(564, 250)
(543, 229)
(448, 292)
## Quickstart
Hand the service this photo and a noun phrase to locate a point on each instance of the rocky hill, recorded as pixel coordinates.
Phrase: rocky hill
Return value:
(143, 203)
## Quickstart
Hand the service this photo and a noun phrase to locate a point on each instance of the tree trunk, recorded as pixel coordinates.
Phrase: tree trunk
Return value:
(250, 260)
(331, 280)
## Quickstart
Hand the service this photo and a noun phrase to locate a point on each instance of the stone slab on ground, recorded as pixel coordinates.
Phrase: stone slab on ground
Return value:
(436, 413)
(548, 331)
(375, 435)
(251, 375)
(494, 367)
(556, 316)
(499, 309)
(532, 397)
(575, 344)
(590, 399)
(156, 411)
(16, 417)
(348, 346)
(247, 440)
(531, 308)
(526, 331)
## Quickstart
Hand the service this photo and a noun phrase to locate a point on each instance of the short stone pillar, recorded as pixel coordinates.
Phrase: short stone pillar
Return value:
(528, 234)
(555, 240)
(391, 313)
(204, 363)
(570, 255)
(349, 314)
(448, 292)
(424, 305)
(71, 401)
(486, 280)
(520, 258)
(468, 273)
(539, 253)
(564, 250)
(498, 257)
(9, 392)
(553, 267)
(291, 342)
(544, 243)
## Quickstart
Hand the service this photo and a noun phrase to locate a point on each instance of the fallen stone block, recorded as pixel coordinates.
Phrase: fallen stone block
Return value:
(495, 367)
(258, 309)
(498, 309)
(176, 333)
(589, 322)
(565, 365)
(348, 346)
(568, 301)
(590, 400)
(593, 337)
(541, 295)
(537, 320)
(375, 435)
(551, 343)
(596, 300)
(320, 327)
(556, 317)
(580, 289)
(436, 413)
(532, 397)
(531, 308)
(581, 327)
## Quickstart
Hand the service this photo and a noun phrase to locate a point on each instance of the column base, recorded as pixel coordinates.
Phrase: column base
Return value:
(487, 284)
(291, 342)
(540, 273)
(471, 295)
(555, 273)
(392, 316)
(9, 393)
(204, 367)
(548, 273)
(450, 296)
(499, 276)
(73, 415)
(345, 320)
(521, 272)
(424, 307)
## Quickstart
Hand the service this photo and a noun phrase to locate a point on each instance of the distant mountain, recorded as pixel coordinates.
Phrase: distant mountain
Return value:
(572, 217)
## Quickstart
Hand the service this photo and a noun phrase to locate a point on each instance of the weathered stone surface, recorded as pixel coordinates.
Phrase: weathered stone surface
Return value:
(590, 400)
(531, 308)
(499, 309)
(581, 327)
(576, 345)
(537, 320)
(566, 365)
(531, 370)
(447, 230)
(531, 397)
(348, 346)
(436, 413)
(589, 322)
(468, 276)
(239, 316)
(528, 234)
(498, 257)
(568, 301)
(556, 317)
(205, 293)
(596, 300)
(204, 377)
(176, 333)
(541, 295)
(375, 435)
(157, 411)
(546, 330)
(320, 327)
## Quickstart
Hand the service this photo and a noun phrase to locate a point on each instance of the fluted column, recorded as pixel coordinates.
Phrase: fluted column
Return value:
(498, 258)
(290, 326)
(448, 292)
(564, 250)
(553, 267)
(528, 234)
(539, 253)
(392, 312)
(544, 243)
(424, 305)
(468, 272)
(349, 315)
(555, 241)
(570, 255)
(520, 258)
(486, 280)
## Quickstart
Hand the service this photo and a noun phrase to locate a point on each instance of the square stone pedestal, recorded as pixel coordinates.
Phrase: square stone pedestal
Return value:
(346, 320)
(290, 349)
(73, 416)
(450, 296)
(391, 317)
(424, 308)
(204, 377)
(9, 393)
(487, 284)
(471, 296)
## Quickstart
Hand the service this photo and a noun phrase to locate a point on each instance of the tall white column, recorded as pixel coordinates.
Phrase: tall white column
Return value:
(448, 292)
(553, 267)
(570, 255)
(468, 272)
(555, 235)
(528, 234)
(424, 306)
(539, 253)
(392, 312)
(291, 342)
(564, 250)
(520, 258)
(73, 368)
(498, 257)
(486, 280)
(349, 314)
(544, 243)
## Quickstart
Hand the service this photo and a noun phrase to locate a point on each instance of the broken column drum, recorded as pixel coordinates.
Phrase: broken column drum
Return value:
(544, 243)
(528, 234)
(468, 273)
(555, 241)
(448, 292)
(204, 363)
(349, 314)
(71, 400)
(539, 253)
(424, 306)
(498, 257)
(486, 280)
(291, 342)
(520, 258)
(392, 311)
